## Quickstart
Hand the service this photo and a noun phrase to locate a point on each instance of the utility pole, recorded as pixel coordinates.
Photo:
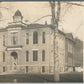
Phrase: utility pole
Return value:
(55, 21)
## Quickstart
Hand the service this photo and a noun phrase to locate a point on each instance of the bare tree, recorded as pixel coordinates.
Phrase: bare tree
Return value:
(2, 7)
(55, 23)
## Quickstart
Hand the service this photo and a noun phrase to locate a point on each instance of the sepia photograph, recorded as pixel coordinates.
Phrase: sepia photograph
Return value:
(41, 41)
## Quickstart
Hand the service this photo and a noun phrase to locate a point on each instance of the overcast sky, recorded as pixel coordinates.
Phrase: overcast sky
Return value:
(71, 20)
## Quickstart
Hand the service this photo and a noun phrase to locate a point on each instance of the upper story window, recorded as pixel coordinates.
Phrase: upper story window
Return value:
(43, 37)
(3, 40)
(70, 49)
(35, 55)
(35, 37)
(43, 55)
(14, 38)
(27, 38)
(3, 56)
(27, 56)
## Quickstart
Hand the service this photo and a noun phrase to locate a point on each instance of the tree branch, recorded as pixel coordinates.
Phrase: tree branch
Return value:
(77, 4)
(4, 7)
(58, 11)
(69, 6)
(52, 4)
(41, 18)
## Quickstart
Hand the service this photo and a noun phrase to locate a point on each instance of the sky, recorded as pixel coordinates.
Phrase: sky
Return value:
(71, 20)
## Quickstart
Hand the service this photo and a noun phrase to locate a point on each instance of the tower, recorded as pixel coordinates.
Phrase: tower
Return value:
(17, 16)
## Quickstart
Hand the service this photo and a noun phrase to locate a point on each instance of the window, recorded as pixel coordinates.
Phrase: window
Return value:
(3, 56)
(43, 37)
(70, 61)
(26, 68)
(51, 69)
(35, 37)
(27, 38)
(14, 38)
(43, 68)
(3, 69)
(70, 49)
(43, 55)
(35, 55)
(3, 40)
(27, 56)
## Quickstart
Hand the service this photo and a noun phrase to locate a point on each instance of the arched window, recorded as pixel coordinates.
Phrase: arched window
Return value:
(14, 54)
(35, 37)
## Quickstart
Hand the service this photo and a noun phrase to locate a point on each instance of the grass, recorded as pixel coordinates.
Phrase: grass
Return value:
(71, 77)
(64, 77)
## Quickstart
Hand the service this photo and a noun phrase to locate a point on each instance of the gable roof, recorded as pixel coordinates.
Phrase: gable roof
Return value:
(69, 36)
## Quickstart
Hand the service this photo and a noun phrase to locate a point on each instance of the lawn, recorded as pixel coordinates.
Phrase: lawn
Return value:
(26, 78)
(71, 77)
(64, 77)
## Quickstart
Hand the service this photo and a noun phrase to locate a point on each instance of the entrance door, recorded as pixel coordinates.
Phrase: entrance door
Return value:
(14, 60)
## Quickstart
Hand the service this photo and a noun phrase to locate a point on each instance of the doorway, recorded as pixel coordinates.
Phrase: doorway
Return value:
(14, 59)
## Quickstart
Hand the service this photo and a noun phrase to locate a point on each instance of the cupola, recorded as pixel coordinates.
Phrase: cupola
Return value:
(17, 16)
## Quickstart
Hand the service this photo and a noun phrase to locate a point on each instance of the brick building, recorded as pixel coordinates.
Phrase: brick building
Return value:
(29, 48)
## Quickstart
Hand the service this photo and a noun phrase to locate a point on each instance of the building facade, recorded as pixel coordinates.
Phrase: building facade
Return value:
(70, 51)
(78, 53)
(29, 48)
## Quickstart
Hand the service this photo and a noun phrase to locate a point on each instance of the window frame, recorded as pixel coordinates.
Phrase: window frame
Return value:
(27, 56)
(35, 55)
(27, 38)
(70, 48)
(35, 37)
(4, 68)
(26, 69)
(3, 56)
(43, 69)
(14, 38)
(3, 40)
(43, 55)
(43, 37)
